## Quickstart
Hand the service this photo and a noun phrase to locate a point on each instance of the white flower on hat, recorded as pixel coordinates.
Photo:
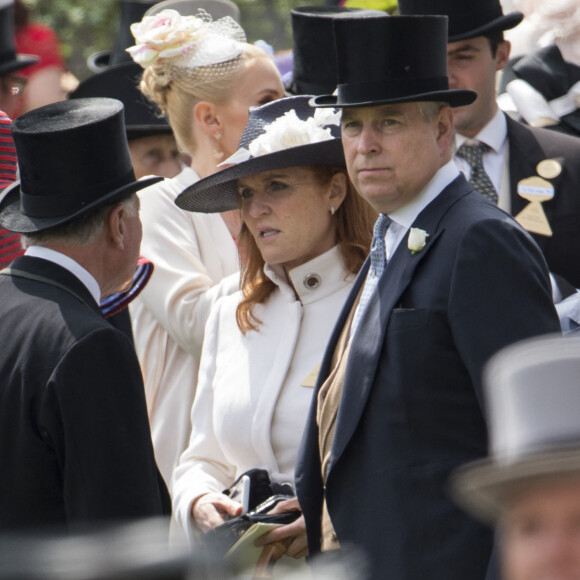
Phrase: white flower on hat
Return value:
(169, 35)
(289, 131)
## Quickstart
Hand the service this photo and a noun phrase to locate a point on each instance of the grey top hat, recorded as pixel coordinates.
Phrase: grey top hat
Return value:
(73, 157)
(392, 59)
(284, 133)
(125, 551)
(216, 8)
(10, 61)
(533, 409)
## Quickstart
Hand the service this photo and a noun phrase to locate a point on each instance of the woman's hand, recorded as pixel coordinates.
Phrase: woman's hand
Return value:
(289, 539)
(212, 509)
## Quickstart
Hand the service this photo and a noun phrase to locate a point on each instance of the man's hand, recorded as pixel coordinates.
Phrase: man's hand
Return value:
(289, 539)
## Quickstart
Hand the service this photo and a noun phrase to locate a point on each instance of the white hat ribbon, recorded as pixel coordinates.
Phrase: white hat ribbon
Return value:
(535, 109)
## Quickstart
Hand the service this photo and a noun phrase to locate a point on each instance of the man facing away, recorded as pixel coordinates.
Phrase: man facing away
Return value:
(75, 445)
(451, 280)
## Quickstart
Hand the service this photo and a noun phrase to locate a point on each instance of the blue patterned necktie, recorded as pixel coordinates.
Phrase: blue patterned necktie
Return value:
(377, 267)
(480, 180)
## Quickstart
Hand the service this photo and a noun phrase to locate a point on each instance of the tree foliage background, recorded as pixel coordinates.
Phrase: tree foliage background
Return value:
(87, 26)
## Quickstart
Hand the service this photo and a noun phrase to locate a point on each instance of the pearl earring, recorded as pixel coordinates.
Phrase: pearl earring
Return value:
(218, 135)
(332, 210)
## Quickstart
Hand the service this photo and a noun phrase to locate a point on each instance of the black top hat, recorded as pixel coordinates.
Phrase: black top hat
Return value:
(121, 82)
(73, 157)
(130, 11)
(392, 59)
(263, 146)
(9, 60)
(466, 19)
(314, 54)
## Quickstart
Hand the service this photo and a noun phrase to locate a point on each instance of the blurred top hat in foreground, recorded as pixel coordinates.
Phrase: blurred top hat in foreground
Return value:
(533, 404)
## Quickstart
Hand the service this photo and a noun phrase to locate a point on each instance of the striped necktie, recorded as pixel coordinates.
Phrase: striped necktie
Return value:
(377, 267)
(480, 180)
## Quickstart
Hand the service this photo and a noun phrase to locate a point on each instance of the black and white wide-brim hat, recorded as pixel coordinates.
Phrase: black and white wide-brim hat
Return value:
(284, 133)
(533, 405)
(73, 157)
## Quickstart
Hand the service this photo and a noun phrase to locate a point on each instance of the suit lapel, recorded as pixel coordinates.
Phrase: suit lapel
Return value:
(366, 346)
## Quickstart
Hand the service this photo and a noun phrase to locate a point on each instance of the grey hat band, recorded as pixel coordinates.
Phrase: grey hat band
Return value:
(394, 88)
(59, 204)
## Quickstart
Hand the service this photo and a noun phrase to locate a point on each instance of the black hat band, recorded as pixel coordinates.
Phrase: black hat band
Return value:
(7, 56)
(59, 204)
(391, 89)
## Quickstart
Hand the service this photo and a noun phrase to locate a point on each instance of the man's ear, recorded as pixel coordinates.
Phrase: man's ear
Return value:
(445, 124)
(117, 226)
(502, 54)
(205, 115)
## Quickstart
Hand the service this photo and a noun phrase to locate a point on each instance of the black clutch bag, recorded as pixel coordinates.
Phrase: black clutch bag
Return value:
(258, 495)
(223, 537)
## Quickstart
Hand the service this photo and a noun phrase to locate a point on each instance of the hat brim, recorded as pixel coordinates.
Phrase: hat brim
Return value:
(139, 131)
(22, 61)
(481, 487)
(455, 98)
(12, 218)
(218, 192)
(506, 22)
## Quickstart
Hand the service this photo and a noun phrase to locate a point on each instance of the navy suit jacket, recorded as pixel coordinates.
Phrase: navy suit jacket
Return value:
(412, 406)
(527, 147)
(75, 444)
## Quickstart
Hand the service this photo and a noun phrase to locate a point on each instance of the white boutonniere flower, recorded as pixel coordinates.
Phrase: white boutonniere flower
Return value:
(417, 240)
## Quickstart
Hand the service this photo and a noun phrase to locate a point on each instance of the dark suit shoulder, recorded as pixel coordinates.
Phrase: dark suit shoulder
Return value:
(552, 143)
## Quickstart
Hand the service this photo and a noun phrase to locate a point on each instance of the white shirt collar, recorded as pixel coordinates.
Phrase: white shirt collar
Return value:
(493, 134)
(314, 280)
(69, 264)
(406, 215)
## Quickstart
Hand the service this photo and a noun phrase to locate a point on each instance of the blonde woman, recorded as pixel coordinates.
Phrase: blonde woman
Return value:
(204, 77)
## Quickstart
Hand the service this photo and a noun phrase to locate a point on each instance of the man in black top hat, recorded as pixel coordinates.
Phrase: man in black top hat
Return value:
(75, 445)
(313, 51)
(11, 83)
(152, 145)
(516, 158)
(398, 401)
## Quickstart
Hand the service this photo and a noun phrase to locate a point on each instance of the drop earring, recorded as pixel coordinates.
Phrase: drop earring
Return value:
(332, 210)
(218, 154)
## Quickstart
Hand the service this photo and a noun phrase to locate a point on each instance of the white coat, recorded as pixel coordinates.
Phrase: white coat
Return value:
(251, 403)
(196, 262)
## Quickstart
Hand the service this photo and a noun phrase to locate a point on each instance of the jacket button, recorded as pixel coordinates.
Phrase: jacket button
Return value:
(311, 281)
